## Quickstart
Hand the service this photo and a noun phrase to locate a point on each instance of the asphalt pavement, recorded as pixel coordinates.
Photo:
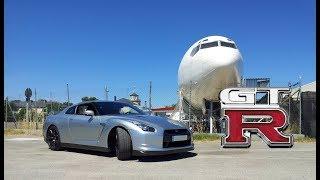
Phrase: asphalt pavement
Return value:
(29, 158)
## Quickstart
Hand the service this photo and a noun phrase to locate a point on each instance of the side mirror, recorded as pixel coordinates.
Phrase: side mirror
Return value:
(89, 113)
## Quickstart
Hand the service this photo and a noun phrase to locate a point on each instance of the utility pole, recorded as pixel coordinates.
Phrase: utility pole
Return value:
(106, 91)
(68, 93)
(300, 104)
(50, 101)
(35, 106)
(150, 86)
(6, 111)
(190, 103)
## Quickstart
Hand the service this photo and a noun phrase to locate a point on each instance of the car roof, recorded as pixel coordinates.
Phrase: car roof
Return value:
(85, 102)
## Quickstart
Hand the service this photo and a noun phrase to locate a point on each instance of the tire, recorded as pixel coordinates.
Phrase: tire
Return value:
(53, 138)
(123, 144)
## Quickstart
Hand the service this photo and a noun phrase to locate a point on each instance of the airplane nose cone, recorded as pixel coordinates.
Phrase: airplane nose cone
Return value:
(221, 57)
(228, 58)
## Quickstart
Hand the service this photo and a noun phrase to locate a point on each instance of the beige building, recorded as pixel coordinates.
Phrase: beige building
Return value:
(307, 87)
(134, 98)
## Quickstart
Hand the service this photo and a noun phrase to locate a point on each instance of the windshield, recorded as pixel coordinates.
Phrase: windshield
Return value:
(116, 108)
(210, 44)
(227, 44)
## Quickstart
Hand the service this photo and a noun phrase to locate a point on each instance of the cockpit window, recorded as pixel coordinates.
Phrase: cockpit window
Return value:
(194, 51)
(227, 44)
(208, 45)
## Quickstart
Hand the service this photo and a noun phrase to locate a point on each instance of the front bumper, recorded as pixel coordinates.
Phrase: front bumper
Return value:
(163, 152)
(159, 143)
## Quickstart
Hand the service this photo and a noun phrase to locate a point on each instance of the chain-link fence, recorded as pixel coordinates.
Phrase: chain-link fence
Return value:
(292, 105)
(199, 119)
(19, 114)
(308, 113)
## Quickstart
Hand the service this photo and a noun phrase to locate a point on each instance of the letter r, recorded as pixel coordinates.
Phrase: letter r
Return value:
(270, 132)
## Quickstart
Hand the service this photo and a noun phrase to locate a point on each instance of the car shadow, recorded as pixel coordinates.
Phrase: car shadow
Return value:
(170, 157)
(91, 152)
(161, 158)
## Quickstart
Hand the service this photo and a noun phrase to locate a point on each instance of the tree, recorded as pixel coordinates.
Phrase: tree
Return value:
(21, 114)
(65, 104)
(11, 109)
(86, 98)
(13, 106)
(55, 107)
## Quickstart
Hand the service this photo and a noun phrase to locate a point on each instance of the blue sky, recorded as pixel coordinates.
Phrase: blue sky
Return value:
(126, 44)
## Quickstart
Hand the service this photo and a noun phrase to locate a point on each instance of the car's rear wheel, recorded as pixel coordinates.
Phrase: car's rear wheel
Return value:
(123, 144)
(53, 138)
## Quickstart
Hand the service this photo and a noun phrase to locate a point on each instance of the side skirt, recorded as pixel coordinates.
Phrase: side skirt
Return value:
(79, 146)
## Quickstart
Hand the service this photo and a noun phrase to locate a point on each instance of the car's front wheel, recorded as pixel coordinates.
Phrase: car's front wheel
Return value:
(123, 144)
(53, 138)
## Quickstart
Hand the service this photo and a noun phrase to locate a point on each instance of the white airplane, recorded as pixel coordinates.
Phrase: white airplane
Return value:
(210, 65)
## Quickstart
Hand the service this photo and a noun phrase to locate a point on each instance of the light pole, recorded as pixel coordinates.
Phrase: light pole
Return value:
(106, 91)
(68, 93)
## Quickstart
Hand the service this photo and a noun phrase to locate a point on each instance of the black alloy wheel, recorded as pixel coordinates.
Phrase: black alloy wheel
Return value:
(53, 138)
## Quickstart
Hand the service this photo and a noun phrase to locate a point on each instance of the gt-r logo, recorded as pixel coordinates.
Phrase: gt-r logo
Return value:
(254, 110)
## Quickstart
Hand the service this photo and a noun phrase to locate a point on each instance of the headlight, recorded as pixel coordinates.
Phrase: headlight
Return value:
(144, 127)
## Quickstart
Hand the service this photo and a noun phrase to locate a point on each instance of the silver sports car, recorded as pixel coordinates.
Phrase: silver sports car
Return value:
(115, 127)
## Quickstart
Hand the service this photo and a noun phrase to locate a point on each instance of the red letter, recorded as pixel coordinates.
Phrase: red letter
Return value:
(270, 132)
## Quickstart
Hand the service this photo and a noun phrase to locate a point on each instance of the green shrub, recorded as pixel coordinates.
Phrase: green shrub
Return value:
(205, 137)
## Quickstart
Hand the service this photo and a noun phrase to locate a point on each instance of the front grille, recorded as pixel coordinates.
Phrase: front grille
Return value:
(167, 138)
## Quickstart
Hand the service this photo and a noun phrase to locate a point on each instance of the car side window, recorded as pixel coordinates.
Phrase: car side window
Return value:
(83, 107)
(71, 110)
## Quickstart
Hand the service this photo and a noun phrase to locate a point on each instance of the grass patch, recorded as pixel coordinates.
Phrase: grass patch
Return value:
(206, 137)
(196, 136)
(17, 132)
(304, 139)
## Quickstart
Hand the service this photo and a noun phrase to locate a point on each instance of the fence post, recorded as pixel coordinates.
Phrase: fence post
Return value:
(210, 116)
(300, 129)
(6, 119)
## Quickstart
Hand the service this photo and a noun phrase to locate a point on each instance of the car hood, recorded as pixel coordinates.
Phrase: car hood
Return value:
(154, 121)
